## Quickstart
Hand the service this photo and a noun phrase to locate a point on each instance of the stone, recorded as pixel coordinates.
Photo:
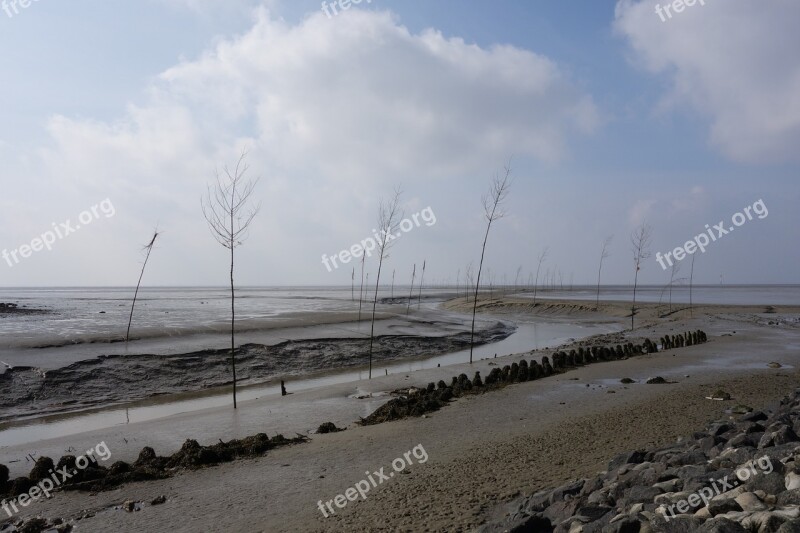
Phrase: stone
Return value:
(634, 457)
(727, 505)
(763, 522)
(792, 526)
(41, 469)
(721, 525)
(749, 502)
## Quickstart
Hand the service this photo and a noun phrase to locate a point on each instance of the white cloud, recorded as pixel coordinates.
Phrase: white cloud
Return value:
(729, 60)
(690, 202)
(640, 212)
(334, 113)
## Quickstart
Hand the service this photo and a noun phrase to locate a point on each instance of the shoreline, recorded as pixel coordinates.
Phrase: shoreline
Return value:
(484, 438)
(117, 380)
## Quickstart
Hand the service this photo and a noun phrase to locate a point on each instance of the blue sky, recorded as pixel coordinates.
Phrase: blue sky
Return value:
(613, 117)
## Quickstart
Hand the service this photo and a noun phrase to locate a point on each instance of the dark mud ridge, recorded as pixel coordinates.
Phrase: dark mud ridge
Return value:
(148, 466)
(418, 401)
(14, 309)
(735, 476)
(112, 380)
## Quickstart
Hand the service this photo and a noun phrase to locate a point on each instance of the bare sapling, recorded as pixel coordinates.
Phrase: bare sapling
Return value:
(147, 248)
(227, 210)
(640, 245)
(388, 217)
(492, 201)
(603, 255)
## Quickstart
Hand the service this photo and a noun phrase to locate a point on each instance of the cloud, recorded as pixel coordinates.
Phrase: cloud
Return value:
(334, 113)
(640, 212)
(691, 201)
(730, 62)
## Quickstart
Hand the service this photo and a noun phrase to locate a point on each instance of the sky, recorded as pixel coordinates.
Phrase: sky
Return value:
(116, 117)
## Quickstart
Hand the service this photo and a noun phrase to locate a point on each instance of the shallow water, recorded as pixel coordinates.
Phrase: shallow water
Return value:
(527, 337)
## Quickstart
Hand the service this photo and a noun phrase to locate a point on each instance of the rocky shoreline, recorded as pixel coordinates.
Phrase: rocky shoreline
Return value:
(419, 401)
(740, 474)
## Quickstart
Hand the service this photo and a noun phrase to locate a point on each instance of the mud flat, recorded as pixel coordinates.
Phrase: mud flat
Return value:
(484, 450)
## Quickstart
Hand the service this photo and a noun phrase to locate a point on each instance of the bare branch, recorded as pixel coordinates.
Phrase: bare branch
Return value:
(225, 208)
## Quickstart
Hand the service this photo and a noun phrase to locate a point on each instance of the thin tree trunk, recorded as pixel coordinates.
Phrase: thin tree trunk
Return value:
(233, 326)
(691, 281)
(136, 293)
(599, 270)
(633, 307)
(361, 291)
(372, 327)
(411, 291)
(477, 285)
(421, 282)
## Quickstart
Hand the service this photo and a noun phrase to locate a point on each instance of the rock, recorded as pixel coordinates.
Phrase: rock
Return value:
(33, 525)
(792, 526)
(640, 494)
(566, 491)
(783, 435)
(763, 522)
(789, 497)
(721, 525)
(774, 365)
(679, 524)
(158, 500)
(119, 467)
(792, 481)
(658, 380)
(627, 381)
(626, 525)
(634, 457)
(593, 512)
(146, 456)
(20, 485)
(720, 394)
(129, 506)
(723, 506)
(689, 458)
(772, 483)
(755, 416)
(558, 511)
(671, 485)
(41, 469)
(749, 502)
(330, 427)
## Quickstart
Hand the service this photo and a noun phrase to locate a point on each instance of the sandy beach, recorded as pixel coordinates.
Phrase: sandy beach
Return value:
(482, 450)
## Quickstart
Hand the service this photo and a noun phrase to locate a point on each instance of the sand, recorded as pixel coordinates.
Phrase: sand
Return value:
(482, 450)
